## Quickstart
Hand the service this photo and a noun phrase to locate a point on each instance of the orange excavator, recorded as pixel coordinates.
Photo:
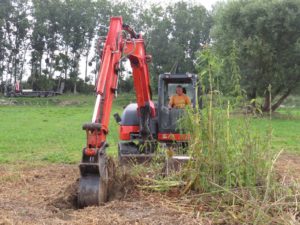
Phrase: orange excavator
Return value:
(143, 126)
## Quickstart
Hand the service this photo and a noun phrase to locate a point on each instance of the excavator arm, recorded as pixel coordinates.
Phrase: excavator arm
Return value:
(121, 41)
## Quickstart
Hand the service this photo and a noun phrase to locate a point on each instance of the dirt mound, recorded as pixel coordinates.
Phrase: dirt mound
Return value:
(66, 198)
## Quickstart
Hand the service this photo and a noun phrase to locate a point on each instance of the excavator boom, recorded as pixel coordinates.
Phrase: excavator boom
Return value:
(121, 41)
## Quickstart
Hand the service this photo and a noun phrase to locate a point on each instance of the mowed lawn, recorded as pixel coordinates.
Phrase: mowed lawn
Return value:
(50, 129)
(285, 130)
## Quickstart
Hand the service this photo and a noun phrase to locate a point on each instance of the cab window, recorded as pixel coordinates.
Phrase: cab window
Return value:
(170, 90)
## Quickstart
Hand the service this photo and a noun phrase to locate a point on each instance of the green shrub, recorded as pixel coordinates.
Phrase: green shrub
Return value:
(226, 151)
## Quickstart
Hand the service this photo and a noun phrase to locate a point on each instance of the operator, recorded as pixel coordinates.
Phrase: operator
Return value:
(180, 99)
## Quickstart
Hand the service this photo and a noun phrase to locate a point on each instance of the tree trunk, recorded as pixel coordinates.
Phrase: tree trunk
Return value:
(75, 88)
(15, 69)
(23, 63)
(32, 73)
(9, 67)
(252, 96)
(86, 66)
(40, 72)
(267, 103)
(50, 67)
(86, 61)
(2, 78)
(280, 100)
(66, 72)
(66, 64)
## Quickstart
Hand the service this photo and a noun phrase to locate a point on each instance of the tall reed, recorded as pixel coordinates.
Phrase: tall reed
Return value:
(226, 151)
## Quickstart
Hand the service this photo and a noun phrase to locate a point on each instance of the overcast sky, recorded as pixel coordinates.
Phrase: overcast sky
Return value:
(206, 3)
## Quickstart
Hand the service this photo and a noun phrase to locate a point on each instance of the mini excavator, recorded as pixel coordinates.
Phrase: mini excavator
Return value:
(143, 125)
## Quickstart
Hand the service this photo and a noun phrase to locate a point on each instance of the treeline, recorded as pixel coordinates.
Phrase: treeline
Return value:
(51, 37)
(255, 43)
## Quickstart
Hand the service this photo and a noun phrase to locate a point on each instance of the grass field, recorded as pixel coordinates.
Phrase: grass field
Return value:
(285, 130)
(40, 136)
(49, 129)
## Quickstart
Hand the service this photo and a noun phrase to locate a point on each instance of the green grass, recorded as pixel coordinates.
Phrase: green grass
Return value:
(36, 129)
(49, 129)
(285, 130)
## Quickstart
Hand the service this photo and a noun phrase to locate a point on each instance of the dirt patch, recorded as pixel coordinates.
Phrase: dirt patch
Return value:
(288, 167)
(47, 195)
(66, 198)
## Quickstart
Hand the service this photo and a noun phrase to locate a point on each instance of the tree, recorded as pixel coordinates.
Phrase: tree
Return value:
(175, 35)
(267, 37)
(78, 31)
(62, 32)
(15, 27)
(5, 10)
(38, 37)
(172, 35)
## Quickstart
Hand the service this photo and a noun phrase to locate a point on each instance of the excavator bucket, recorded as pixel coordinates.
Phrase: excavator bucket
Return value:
(92, 191)
(96, 180)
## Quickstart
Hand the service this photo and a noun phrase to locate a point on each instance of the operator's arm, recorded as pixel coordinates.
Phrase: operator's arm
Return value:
(187, 100)
(171, 102)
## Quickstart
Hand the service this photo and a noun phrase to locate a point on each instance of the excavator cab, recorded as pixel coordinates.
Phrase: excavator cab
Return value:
(165, 127)
(168, 118)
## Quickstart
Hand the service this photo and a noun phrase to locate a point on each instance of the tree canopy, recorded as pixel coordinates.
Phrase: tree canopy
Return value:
(266, 34)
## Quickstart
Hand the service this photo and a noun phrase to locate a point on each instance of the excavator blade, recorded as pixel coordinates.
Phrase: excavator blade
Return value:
(131, 153)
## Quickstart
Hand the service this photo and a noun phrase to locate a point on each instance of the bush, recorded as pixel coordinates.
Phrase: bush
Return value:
(232, 164)
(226, 151)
